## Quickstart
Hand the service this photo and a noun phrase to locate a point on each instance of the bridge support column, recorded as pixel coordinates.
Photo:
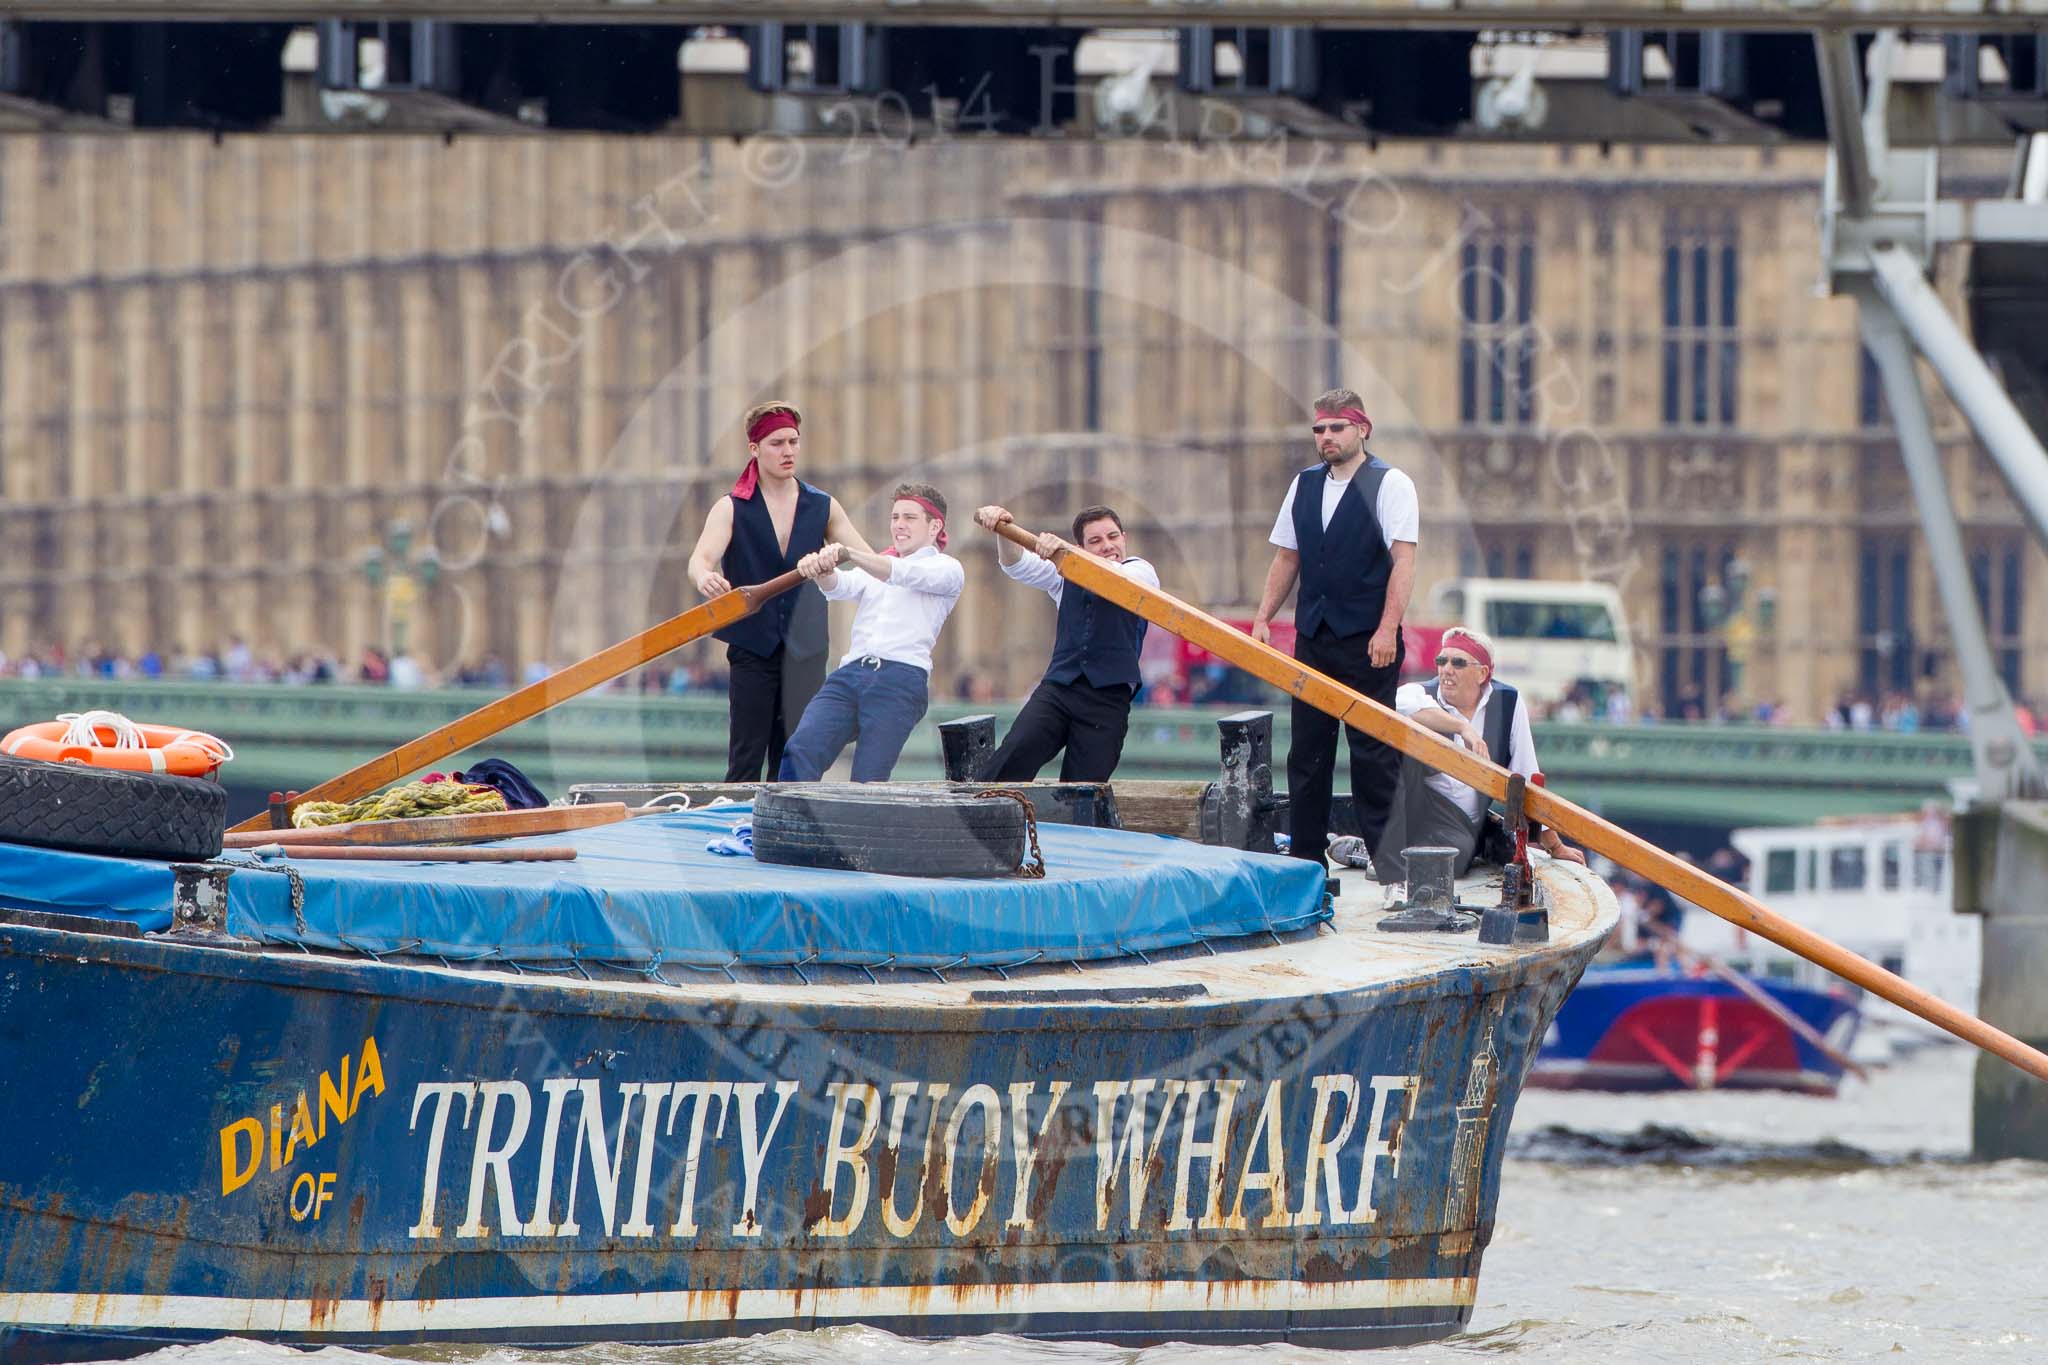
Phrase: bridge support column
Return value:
(2005, 765)
(2001, 855)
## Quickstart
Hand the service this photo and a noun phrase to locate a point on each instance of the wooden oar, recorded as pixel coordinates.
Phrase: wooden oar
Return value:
(1761, 998)
(1360, 712)
(531, 700)
(546, 853)
(439, 829)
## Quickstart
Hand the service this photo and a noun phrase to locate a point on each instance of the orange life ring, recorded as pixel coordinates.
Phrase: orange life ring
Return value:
(166, 749)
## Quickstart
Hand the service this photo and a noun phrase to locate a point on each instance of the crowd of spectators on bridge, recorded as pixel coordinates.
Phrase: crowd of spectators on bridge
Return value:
(698, 671)
(238, 662)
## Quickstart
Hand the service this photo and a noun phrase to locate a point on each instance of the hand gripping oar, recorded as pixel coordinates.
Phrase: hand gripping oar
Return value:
(1637, 855)
(531, 700)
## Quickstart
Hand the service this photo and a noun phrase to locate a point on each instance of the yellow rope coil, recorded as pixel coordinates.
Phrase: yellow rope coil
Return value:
(400, 803)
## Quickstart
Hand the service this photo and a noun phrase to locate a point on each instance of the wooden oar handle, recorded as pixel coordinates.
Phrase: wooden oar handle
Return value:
(543, 853)
(774, 587)
(1011, 531)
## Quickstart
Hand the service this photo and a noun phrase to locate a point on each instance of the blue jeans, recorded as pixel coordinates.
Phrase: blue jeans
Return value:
(875, 701)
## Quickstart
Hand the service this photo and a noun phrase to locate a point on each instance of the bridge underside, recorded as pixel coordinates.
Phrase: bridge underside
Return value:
(1926, 15)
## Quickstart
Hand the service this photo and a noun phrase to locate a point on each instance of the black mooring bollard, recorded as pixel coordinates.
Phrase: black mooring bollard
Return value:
(1239, 805)
(966, 745)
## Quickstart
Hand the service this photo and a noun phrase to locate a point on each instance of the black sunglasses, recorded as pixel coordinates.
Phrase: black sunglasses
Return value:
(1319, 428)
(1455, 663)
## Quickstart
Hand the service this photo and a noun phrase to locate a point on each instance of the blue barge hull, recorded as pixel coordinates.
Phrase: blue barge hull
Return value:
(1639, 1028)
(1297, 1140)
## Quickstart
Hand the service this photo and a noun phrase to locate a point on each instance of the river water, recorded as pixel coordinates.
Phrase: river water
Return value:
(1688, 1227)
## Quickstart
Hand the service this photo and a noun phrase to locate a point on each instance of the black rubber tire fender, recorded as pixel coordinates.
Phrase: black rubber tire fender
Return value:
(877, 827)
(106, 810)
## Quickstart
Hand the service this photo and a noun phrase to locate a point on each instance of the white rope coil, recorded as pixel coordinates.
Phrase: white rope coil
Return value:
(82, 729)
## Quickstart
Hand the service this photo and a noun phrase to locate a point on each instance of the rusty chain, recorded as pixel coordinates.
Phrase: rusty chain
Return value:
(1034, 866)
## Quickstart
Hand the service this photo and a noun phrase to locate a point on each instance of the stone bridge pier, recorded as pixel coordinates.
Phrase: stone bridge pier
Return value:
(2001, 873)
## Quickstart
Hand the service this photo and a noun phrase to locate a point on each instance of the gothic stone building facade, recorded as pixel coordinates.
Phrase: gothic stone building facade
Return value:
(228, 367)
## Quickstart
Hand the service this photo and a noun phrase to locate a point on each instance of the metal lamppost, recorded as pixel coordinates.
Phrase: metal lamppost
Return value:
(393, 568)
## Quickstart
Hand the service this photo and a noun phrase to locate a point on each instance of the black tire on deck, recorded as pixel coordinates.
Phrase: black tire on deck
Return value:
(102, 810)
(874, 827)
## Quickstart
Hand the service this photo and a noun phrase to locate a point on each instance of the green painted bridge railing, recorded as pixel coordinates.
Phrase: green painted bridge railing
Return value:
(294, 736)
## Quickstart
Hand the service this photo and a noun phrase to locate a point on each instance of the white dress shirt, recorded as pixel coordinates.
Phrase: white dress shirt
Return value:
(1520, 758)
(1034, 572)
(1396, 507)
(899, 619)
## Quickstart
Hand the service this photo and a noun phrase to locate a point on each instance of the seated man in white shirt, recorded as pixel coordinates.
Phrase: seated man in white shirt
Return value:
(880, 690)
(1464, 704)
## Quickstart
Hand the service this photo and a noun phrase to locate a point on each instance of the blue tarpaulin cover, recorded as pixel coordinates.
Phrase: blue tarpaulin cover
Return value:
(647, 891)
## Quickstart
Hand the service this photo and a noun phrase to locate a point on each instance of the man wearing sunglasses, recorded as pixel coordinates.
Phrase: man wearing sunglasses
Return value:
(1347, 532)
(1464, 704)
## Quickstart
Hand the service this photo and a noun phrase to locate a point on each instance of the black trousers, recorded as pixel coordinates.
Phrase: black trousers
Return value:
(1088, 722)
(768, 697)
(1423, 817)
(1312, 752)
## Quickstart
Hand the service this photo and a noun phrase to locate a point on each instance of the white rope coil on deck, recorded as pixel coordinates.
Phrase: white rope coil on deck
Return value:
(83, 728)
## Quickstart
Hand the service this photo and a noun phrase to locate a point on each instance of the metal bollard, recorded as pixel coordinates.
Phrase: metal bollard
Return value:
(1520, 917)
(1237, 809)
(966, 745)
(1497, 924)
(1431, 904)
(199, 894)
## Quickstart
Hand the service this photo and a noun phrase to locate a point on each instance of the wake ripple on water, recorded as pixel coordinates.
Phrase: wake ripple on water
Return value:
(1657, 1144)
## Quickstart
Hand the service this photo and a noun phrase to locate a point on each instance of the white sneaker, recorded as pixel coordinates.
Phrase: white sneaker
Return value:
(1350, 850)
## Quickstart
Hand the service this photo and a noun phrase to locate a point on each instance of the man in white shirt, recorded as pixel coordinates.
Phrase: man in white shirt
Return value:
(1083, 703)
(1347, 530)
(880, 690)
(1464, 704)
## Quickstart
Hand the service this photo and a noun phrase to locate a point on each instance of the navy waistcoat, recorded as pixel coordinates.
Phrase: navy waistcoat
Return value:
(797, 618)
(1095, 640)
(1344, 570)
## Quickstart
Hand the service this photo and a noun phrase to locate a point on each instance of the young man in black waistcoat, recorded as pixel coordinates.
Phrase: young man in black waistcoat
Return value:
(1083, 703)
(769, 521)
(1347, 530)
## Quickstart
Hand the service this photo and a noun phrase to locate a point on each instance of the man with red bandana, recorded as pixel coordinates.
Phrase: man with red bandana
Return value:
(1347, 531)
(763, 528)
(1466, 705)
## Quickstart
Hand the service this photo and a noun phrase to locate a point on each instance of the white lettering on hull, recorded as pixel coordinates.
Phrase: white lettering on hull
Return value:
(623, 1160)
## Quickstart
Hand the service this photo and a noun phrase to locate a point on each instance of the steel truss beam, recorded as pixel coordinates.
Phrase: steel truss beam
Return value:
(1898, 313)
(1748, 15)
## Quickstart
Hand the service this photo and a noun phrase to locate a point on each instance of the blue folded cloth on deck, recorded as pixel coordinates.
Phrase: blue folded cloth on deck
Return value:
(738, 844)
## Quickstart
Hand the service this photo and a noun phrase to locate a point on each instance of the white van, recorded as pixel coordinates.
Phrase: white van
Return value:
(1549, 636)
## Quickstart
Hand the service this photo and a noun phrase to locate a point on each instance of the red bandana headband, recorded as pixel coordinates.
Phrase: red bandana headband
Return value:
(931, 510)
(764, 425)
(1355, 416)
(1472, 645)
